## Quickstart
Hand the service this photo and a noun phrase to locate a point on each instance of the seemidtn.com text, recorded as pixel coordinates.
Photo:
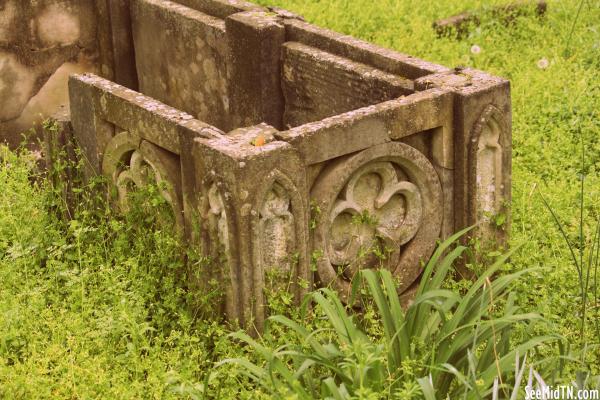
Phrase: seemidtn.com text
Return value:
(564, 392)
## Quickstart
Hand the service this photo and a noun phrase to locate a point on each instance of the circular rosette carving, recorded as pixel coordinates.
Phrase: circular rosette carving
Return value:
(131, 163)
(377, 208)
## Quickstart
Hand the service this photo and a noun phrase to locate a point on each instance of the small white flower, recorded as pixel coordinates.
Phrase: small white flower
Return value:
(37, 155)
(475, 49)
(543, 63)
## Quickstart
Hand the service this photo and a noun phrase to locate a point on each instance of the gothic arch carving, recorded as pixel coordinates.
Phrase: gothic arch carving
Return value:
(219, 233)
(489, 179)
(279, 229)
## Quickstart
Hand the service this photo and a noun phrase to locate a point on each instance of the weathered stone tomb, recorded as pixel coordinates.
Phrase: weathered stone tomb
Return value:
(292, 149)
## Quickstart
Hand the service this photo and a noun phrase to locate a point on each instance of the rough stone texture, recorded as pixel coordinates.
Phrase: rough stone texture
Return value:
(254, 208)
(359, 51)
(335, 149)
(482, 125)
(317, 84)
(125, 72)
(131, 162)
(219, 8)
(183, 63)
(368, 126)
(61, 158)
(132, 139)
(255, 40)
(41, 43)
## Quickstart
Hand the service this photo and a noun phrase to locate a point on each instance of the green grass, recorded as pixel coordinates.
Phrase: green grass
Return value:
(96, 308)
(455, 345)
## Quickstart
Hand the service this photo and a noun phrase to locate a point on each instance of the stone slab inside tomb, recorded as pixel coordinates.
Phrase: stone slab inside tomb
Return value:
(280, 146)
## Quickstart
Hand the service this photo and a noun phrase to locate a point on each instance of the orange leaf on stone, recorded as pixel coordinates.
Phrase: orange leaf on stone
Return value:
(259, 141)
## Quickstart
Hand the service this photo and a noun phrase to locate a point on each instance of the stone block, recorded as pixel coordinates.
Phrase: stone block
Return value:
(359, 51)
(132, 139)
(318, 84)
(255, 39)
(482, 151)
(125, 72)
(254, 211)
(375, 124)
(378, 208)
(280, 142)
(61, 160)
(220, 8)
(184, 63)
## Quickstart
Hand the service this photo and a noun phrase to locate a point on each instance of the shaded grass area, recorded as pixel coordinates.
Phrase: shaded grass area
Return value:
(97, 309)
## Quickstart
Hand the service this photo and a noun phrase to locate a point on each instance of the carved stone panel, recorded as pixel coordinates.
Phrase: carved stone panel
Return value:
(130, 163)
(218, 216)
(279, 236)
(380, 208)
(276, 228)
(489, 176)
(218, 222)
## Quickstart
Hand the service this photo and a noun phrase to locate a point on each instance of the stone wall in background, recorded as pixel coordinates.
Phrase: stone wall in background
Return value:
(41, 43)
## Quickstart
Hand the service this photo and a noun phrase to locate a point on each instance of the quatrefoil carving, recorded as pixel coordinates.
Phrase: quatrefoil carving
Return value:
(378, 208)
(375, 206)
(131, 162)
(140, 172)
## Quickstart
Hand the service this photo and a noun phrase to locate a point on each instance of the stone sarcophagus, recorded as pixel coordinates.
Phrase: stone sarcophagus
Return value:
(292, 155)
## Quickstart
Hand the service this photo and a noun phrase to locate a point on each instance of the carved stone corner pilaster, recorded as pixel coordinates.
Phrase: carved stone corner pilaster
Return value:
(489, 176)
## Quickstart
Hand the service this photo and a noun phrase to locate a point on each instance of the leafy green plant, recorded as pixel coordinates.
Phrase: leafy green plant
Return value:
(365, 218)
(458, 343)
